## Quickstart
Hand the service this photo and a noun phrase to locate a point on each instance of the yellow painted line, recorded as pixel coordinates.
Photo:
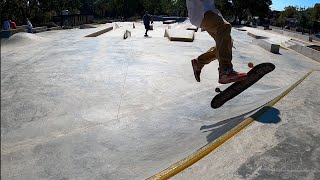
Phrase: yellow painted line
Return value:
(205, 150)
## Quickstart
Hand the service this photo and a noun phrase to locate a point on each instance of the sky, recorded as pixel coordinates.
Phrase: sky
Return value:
(280, 4)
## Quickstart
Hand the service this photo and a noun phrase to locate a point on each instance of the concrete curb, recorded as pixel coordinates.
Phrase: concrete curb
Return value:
(98, 33)
(169, 21)
(271, 47)
(205, 150)
(306, 51)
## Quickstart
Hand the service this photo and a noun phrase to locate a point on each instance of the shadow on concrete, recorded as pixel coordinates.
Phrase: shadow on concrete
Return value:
(271, 116)
(220, 128)
(268, 115)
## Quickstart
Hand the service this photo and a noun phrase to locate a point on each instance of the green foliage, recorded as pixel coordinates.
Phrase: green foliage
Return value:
(39, 11)
(241, 9)
(305, 17)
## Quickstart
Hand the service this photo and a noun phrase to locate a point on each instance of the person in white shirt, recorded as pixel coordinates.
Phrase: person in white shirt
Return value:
(29, 26)
(204, 14)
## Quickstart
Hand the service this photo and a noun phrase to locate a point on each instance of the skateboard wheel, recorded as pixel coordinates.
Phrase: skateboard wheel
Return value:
(250, 65)
(218, 90)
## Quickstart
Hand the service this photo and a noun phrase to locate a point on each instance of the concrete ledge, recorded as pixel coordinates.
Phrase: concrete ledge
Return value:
(193, 28)
(126, 34)
(274, 48)
(306, 51)
(169, 21)
(116, 26)
(86, 26)
(256, 36)
(294, 34)
(179, 35)
(39, 29)
(98, 33)
(239, 29)
(54, 28)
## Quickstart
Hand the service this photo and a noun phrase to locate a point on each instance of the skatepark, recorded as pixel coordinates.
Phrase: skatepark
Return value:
(109, 103)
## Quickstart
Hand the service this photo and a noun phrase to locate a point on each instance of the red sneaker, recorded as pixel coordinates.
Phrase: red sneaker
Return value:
(230, 75)
(196, 69)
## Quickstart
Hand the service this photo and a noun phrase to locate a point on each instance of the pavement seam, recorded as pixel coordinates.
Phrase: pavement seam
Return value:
(210, 147)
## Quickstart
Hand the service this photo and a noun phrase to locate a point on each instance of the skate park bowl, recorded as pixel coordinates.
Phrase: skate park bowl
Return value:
(108, 108)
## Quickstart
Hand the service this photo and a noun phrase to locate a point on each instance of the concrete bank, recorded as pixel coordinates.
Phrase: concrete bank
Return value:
(284, 143)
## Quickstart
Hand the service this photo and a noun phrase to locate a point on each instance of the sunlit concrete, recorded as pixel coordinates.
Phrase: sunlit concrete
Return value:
(107, 108)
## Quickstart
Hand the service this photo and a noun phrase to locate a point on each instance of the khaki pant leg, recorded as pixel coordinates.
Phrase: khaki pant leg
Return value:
(220, 30)
(208, 56)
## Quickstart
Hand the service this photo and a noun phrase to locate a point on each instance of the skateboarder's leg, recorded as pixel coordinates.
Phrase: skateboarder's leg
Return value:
(220, 30)
(208, 56)
(147, 27)
(202, 60)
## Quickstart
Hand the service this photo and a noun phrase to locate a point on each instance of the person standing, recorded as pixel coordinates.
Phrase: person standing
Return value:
(204, 14)
(13, 25)
(6, 25)
(29, 26)
(146, 21)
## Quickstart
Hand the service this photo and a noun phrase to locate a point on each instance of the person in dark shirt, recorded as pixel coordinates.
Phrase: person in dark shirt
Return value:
(146, 21)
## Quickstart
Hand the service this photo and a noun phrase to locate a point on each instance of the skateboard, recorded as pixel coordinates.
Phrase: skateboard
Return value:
(254, 75)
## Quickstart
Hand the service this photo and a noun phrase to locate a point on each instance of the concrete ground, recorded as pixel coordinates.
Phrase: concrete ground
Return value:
(284, 143)
(75, 107)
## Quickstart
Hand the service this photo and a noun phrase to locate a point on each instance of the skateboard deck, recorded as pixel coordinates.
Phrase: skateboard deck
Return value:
(254, 75)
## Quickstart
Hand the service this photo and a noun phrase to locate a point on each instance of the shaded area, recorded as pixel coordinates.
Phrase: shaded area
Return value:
(315, 47)
(219, 128)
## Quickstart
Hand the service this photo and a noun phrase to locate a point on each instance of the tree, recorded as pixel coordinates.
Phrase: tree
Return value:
(244, 8)
(225, 7)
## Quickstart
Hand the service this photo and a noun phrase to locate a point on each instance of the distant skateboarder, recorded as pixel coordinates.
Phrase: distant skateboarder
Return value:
(203, 14)
(146, 21)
